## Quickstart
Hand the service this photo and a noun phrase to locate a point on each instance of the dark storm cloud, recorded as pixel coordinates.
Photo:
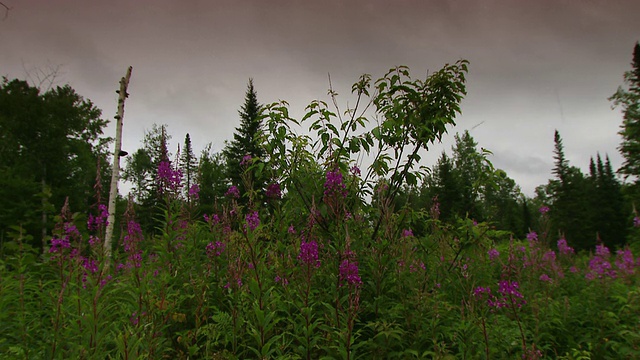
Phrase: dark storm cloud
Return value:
(536, 66)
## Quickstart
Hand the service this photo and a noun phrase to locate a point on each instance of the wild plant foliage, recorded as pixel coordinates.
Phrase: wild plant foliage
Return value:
(318, 262)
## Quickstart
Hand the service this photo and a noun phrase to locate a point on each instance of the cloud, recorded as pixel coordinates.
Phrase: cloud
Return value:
(536, 66)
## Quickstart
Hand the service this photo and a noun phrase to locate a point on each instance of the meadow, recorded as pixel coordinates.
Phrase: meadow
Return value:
(321, 263)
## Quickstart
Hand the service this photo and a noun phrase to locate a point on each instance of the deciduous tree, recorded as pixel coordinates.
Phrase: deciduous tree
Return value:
(53, 139)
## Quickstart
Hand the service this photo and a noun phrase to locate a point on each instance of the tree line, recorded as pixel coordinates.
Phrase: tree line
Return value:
(53, 151)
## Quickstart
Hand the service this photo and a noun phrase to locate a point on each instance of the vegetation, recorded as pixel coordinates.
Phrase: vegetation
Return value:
(312, 254)
(246, 147)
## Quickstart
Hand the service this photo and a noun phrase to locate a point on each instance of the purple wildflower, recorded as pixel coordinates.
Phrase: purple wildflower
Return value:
(355, 170)
(253, 220)
(104, 281)
(602, 251)
(564, 248)
(334, 184)
(532, 236)
(493, 254)
(90, 265)
(510, 292)
(599, 265)
(194, 191)
(70, 232)
(407, 233)
(543, 210)
(309, 253)
(545, 278)
(480, 291)
(215, 249)
(94, 240)
(246, 160)
(233, 192)
(291, 230)
(549, 256)
(636, 221)
(625, 261)
(131, 243)
(134, 318)
(169, 178)
(58, 244)
(96, 222)
(349, 273)
(273, 191)
(212, 220)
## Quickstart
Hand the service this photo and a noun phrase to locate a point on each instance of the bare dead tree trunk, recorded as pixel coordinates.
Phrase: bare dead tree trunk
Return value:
(115, 171)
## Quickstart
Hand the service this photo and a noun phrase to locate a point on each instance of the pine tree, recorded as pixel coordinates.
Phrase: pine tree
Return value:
(629, 100)
(570, 201)
(141, 169)
(188, 165)
(470, 171)
(610, 211)
(526, 218)
(446, 185)
(211, 179)
(561, 164)
(246, 141)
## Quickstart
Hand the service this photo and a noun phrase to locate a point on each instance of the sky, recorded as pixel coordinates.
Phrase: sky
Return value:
(535, 66)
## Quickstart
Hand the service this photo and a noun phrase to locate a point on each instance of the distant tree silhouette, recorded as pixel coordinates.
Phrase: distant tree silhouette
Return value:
(188, 164)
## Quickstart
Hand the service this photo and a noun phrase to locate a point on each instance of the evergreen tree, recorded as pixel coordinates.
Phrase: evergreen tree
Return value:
(445, 185)
(501, 204)
(561, 163)
(609, 209)
(246, 141)
(188, 165)
(569, 195)
(526, 218)
(629, 100)
(471, 172)
(467, 185)
(142, 169)
(139, 171)
(211, 179)
(593, 172)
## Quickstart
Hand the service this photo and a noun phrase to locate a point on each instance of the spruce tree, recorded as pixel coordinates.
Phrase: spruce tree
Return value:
(188, 165)
(246, 141)
(561, 164)
(211, 179)
(611, 210)
(470, 168)
(142, 169)
(447, 187)
(570, 195)
(629, 100)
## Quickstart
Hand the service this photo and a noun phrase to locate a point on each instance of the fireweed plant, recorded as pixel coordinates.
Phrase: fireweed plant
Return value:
(321, 263)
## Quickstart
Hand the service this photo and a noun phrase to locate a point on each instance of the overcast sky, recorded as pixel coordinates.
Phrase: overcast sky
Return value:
(535, 66)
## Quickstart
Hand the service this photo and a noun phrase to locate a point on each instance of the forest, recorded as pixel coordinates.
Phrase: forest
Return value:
(315, 238)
